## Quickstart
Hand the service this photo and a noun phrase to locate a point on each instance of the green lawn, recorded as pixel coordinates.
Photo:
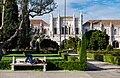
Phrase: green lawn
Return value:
(48, 56)
(34, 55)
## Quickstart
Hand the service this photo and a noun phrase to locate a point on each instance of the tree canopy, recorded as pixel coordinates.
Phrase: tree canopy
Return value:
(97, 40)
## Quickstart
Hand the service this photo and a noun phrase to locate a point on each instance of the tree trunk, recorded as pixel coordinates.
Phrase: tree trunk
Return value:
(3, 13)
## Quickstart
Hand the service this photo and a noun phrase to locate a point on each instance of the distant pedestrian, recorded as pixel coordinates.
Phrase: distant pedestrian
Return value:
(28, 57)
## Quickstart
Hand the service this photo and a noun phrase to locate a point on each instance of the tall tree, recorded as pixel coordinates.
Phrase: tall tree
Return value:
(36, 8)
(10, 21)
(24, 34)
(98, 40)
(83, 54)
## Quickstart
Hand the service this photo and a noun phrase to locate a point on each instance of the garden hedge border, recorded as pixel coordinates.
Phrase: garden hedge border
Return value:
(56, 65)
(105, 57)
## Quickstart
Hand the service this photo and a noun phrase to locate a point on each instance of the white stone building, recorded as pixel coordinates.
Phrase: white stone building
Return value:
(41, 25)
(111, 27)
(61, 28)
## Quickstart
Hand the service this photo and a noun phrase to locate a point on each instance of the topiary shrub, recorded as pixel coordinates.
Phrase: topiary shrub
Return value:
(83, 54)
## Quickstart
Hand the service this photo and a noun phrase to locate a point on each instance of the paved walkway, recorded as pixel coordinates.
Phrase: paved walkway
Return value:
(97, 70)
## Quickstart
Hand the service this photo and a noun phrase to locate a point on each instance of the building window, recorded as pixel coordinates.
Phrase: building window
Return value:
(115, 32)
(66, 30)
(69, 30)
(55, 30)
(105, 30)
(45, 32)
(77, 30)
(86, 30)
(62, 30)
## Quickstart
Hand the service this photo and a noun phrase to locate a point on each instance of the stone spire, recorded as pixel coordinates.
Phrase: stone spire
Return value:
(58, 25)
(51, 24)
(73, 24)
(81, 23)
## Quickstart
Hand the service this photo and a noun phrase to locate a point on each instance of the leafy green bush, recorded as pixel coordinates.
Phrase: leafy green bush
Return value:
(4, 65)
(112, 59)
(98, 57)
(90, 55)
(109, 48)
(71, 58)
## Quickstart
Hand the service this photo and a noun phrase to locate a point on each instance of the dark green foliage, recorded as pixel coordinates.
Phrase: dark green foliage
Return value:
(72, 43)
(97, 40)
(10, 22)
(63, 65)
(71, 58)
(83, 55)
(48, 43)
(24, 35)
(5, 65)
(109, 48)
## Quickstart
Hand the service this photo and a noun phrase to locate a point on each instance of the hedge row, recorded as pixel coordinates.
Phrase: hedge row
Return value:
(56, 65)
(4, 65)
(106, 58)
(63, 65)
(114, 52)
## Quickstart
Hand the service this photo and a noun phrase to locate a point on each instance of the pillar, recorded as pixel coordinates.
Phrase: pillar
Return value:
(73, 24)
(119, 44)
(91, 26)
(58, 25)
(51, 24)
(110, 34)
(81, 23)
(101, 26)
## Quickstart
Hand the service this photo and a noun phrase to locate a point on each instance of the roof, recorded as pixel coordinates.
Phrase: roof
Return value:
(38, 21)
(66, 17)
(104, 22)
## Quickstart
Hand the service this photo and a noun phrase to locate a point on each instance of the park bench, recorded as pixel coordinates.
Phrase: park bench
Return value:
(21, 62)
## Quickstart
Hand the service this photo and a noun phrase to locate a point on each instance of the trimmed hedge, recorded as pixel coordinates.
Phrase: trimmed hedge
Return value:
(106, 58)
(63, 65)
(5, 65)
(56, 65)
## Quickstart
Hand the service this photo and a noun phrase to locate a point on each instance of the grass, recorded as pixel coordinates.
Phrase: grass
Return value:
(48, 56)
(34, 55)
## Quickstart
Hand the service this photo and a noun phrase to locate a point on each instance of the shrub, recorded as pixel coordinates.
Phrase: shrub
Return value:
(83, 54)
(71, 58)
(106, 58)
(63, 65)
(109, 48)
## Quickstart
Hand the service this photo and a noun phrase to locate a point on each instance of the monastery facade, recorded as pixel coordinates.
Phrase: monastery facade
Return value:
(61, 28)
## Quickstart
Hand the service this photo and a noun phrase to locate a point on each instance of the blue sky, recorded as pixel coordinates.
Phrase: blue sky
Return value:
(92, 9)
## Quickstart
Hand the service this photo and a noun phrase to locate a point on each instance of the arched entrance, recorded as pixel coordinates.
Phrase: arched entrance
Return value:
(115, 44)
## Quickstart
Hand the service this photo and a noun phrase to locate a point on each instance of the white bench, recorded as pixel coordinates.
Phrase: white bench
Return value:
(21, 62)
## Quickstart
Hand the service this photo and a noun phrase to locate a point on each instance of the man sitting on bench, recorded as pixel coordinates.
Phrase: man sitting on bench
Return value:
(28, 57)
